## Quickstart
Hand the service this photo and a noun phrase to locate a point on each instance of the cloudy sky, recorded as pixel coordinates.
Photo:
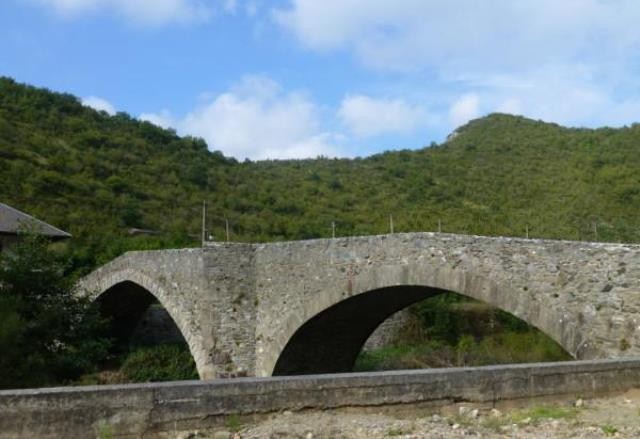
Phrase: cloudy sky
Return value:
(302, 78)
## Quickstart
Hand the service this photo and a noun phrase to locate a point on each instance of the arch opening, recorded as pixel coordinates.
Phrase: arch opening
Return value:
(332, 341)
(143, 331)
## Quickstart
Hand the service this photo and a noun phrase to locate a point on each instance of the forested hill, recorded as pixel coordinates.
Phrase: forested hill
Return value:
(98, 176)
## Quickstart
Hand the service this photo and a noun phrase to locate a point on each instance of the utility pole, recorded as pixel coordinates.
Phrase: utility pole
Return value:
(391, 223)
(204, 222)
(595, 230)
(439, 225)
(333, 229)
(226, 227)
(526, 228)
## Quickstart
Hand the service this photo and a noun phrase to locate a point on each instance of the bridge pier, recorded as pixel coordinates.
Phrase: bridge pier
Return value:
(207, 292)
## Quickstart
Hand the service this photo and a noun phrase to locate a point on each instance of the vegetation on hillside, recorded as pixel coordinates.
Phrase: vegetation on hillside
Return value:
(98, 176)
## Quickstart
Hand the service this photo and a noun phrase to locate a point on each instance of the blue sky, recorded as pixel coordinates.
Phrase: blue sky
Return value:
(302, 78)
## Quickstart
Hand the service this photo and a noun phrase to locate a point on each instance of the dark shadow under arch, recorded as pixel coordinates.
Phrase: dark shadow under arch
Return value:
(128, 307)
(330, 341)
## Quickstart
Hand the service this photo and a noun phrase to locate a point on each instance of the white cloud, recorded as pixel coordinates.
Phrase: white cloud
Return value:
(162, 119)
(510, 106)
(572, 62)
(230, 6)
(569, 95)
(464, 109)
(251, 8)
(454, 34)
(99, 104)
(71, 6)
(366, 116)
(145, 12)
(256, 119)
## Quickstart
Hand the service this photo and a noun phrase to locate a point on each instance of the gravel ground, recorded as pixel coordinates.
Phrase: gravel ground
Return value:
(616, 416)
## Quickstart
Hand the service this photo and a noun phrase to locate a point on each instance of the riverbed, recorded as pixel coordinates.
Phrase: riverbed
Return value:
(613, 416)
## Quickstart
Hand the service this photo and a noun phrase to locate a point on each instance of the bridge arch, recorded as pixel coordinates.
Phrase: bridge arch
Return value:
(328, 335)
(127, 293)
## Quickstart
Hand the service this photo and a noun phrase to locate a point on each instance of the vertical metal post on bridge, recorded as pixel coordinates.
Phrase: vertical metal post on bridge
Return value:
(204, 222)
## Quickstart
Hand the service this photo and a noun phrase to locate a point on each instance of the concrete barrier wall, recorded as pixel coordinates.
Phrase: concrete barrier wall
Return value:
(137, 409)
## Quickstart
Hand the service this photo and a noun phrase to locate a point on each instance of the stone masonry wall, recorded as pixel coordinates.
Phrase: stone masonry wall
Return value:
(239, 304)
(230, 306)
(584, 295)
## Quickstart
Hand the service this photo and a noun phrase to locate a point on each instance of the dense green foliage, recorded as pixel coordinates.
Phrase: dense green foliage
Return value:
(448, 317)
(139, 364)
(457, 331)
(47, 334)
(159, 363)
(97, 176)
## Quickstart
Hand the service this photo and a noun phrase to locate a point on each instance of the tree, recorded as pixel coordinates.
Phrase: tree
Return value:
(48, 334)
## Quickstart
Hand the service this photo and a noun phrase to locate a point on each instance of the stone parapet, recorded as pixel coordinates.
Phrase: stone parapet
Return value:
(138, 410)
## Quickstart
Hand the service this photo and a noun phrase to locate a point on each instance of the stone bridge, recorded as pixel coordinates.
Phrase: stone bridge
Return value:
(308, 306)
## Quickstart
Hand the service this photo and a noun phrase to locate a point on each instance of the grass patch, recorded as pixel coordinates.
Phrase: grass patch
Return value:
(397, 431)
(533, 415)
(496, 423)
(233, 423)
(105, 431)
(504, 348)
(465, 421)
(397, 357)
(609, 430)
(536, 414)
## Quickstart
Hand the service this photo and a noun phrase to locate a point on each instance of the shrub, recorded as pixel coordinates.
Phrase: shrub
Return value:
(166, 362)
(48, 334)
(462, 332)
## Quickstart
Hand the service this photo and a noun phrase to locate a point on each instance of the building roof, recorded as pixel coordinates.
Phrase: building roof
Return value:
(13, 221)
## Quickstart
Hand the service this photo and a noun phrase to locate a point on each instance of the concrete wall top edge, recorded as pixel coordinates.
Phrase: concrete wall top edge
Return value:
(340, 380)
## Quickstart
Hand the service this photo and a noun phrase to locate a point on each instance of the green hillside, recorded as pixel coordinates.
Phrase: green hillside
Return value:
(98, 176)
